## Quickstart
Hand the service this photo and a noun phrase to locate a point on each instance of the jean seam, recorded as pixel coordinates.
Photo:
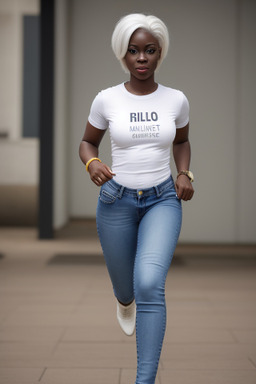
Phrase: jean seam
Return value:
(117, 214)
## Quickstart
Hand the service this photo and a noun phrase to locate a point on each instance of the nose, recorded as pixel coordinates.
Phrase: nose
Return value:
(141, 57)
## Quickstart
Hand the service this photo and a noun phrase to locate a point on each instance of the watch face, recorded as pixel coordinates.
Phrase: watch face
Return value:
(190, 175)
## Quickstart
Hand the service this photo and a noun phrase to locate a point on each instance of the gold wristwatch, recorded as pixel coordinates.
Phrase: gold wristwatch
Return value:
(189, 174)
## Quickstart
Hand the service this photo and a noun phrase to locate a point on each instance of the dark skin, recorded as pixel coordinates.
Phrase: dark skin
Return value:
(141, 59)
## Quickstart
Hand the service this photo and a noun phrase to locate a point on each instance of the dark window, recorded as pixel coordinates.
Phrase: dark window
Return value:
(31, 62)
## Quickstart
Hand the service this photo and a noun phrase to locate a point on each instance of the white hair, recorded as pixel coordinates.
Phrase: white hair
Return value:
(127, 25)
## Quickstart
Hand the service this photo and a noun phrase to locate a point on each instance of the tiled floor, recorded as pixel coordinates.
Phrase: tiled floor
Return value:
(58, 325)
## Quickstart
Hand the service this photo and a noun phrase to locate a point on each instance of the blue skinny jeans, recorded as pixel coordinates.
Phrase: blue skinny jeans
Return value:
(138, 231)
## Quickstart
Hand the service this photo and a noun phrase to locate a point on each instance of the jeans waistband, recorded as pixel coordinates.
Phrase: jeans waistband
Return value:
(156, 190)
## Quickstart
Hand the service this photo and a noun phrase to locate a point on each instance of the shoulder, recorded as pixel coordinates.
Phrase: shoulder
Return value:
(110, 91)
(172, 93)
(177, 98)
(104, 97)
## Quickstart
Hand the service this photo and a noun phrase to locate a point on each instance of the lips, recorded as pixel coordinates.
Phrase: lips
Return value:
(142, 69)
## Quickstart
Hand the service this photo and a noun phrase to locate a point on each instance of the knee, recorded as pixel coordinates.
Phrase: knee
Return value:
(149, 289)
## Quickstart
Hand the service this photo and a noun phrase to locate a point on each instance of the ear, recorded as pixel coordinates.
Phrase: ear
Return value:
(160, 52)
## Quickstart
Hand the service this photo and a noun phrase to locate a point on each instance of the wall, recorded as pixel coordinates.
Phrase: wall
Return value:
(18, 156)
(246, 154)
(11, 43)
(212, 59)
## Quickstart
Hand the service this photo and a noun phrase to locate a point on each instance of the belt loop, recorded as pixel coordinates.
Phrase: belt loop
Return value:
(158, 193)
(121, 191)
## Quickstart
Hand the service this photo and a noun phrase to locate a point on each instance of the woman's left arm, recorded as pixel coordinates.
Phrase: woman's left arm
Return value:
(181, 154)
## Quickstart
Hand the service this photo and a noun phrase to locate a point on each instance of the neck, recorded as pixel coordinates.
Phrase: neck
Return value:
(141, 87)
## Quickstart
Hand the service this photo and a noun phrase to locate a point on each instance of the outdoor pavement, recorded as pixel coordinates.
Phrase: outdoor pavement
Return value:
(58, 314)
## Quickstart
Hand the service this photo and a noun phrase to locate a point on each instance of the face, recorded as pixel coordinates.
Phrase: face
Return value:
(143, 54)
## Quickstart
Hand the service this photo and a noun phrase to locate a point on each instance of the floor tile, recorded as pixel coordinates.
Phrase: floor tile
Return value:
(20, 375)
(208, 376)
(38, 319)
(199, 351)
(217, 321)
(245, 336)
(95, 355)
(128, 376)
(45, 308)
(94, 333)
(58, 315)
(189, 307)
(200, 363)
(80, 376)
(30, 334)
(182, 335)
(252, 358)
(15, 351)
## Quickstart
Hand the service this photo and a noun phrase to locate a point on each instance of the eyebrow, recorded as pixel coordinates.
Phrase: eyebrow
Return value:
(147, 45)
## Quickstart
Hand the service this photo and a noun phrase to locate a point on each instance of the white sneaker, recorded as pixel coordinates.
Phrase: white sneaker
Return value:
(126, 316)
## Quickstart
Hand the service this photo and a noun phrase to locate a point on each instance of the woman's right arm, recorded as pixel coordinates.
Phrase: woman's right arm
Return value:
(89, 148)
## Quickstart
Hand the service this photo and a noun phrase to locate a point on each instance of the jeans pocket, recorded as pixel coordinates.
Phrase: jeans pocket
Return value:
(107, 194)
(169, 192)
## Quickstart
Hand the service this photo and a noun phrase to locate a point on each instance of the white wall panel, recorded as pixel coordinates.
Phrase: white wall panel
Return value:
(19, 162)
(206, 41)
(246, 173)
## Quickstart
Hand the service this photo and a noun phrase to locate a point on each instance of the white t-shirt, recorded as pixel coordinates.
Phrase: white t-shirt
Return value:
(142, 129)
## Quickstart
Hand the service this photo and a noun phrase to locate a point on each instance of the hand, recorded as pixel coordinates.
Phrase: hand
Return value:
(100, 173)
(184, 188)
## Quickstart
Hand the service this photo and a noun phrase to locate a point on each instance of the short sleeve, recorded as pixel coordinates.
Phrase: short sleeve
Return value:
(97, 116)
(182, 118)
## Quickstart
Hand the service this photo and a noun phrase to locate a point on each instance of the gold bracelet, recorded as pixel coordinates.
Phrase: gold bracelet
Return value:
(89, 162)
(189, 174)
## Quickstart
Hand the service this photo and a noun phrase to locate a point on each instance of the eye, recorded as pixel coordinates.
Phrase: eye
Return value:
(150, 51)
(133, 51)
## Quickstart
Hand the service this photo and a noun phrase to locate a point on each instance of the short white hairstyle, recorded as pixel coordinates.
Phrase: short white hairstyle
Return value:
(127, 25)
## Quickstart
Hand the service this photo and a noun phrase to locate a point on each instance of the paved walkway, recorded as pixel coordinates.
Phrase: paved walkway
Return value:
(58, 324)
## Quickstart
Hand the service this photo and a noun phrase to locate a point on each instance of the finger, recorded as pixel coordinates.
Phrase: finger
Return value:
(187, 195)
(97, 182)
(180, 192)
(107, 175)
(103, 177)
(184, 195)
(177, 190)
(111, 172)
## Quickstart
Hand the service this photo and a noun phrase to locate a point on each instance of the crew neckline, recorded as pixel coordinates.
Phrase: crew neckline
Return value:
(149, 95)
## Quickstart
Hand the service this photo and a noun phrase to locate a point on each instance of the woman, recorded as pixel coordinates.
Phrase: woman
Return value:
(139, 209)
